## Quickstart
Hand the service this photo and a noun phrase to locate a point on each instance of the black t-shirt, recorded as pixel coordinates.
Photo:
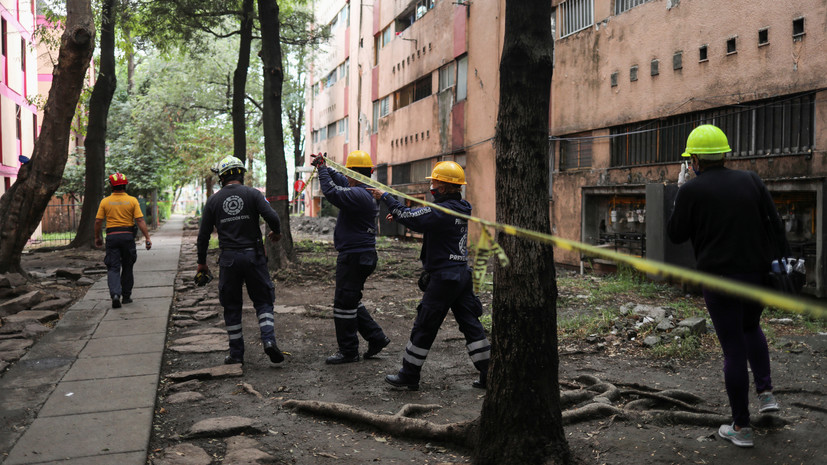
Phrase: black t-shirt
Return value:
(726, 215)
(235, 211)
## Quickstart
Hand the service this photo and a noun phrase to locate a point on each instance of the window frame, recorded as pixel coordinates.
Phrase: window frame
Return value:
(575, 16)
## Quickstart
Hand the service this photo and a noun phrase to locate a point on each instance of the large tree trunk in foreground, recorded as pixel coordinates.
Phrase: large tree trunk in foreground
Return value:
(521, 419)
(281, 252)
(95, 142)
(239, 113)
(22, 206)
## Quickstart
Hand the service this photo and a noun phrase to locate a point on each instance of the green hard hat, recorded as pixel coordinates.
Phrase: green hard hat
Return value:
(708, 142)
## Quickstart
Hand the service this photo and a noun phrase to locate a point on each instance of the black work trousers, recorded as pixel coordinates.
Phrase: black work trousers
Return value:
(448, 289)
(239, 267)
(119, 259)
(349, 314)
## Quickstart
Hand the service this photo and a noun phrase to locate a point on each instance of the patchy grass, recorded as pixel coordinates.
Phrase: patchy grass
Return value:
(689, 347)
(487, 322)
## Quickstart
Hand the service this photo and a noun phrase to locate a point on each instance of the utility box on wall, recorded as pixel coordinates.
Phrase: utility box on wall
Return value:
(660, 199)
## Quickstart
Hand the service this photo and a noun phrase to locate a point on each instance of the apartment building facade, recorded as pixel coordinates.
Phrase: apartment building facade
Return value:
(632, 78)
(18, 85)
(408, 82)
(416, 82)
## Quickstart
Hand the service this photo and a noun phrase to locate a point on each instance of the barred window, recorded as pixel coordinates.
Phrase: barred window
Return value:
(779, 126)
(625, 5)
(576, 151)
(401, 174)
(575, 15)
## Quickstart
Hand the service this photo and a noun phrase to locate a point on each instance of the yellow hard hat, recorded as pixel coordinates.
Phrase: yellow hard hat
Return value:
(359, 159)
(707, 142)
(448, 171)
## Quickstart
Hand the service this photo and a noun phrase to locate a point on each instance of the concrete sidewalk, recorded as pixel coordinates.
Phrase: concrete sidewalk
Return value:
(85, 393)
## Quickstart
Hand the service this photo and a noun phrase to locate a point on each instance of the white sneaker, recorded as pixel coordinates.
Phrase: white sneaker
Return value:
(742, 438)
(767, 402)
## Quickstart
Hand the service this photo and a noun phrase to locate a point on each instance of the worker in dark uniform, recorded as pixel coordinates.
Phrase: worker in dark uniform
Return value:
(355, 239)
(445, 259)
(726, 214)
(122, 213)
(234, 211)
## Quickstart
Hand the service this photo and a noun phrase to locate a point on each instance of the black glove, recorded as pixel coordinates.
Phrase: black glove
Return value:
(317, 160)
(424, 279)
(202, 278)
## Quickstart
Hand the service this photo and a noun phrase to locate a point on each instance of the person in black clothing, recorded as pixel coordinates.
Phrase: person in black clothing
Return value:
(447, 282)
(726, 214)
(355, 239)
(235, 211)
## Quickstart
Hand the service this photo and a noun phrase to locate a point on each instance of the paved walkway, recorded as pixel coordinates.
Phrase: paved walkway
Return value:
(85, 393)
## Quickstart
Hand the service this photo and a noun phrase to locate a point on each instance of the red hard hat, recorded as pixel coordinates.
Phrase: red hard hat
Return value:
(118, 179)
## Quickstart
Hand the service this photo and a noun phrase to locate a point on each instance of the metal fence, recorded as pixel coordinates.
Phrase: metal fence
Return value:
(58, 226)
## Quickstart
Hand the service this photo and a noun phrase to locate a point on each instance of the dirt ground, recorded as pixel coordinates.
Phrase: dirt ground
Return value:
(304, 328)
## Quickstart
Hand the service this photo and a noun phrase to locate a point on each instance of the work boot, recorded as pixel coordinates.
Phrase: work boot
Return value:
(339, 358)
(116, 301)
(399, 381)
(482, 382)
(272, 351)
(126, 299)
(230, 360)
(376, 347)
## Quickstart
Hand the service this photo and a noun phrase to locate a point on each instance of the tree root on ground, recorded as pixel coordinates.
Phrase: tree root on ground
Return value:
(595, 399)
(399, 424)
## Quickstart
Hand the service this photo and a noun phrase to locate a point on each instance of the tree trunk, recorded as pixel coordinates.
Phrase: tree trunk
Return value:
(268, 10)
(130, 60)
(521, 421)
(240, 82)
(95, 142)
(22, 206)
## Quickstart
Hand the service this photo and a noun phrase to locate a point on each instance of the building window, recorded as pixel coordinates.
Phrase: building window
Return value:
(330, 79)
(422, 7)
(462, 78)
(331, 130)
(375, 123)
(633, 73)
(798, 28)
(401, 174)
(5, 32)
(653, 68)
(382, 174)
(385, 106)
(575, 151)
(322, 133)
(625, 5)
(780, 126)
(677, 61)
(446, 77)
(422, 88)
(18, 122)
(731, 47)
(613, 79)
(575, 15)
(342, 126)
(703, 53)
(763, 36)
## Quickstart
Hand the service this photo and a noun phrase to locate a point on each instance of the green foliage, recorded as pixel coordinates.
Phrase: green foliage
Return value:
(328, 209)
(487, 322)
(164, 209)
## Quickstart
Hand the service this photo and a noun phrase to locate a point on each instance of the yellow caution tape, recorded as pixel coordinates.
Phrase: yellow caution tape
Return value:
(485, 248)
(758, 294)
(298, 195)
